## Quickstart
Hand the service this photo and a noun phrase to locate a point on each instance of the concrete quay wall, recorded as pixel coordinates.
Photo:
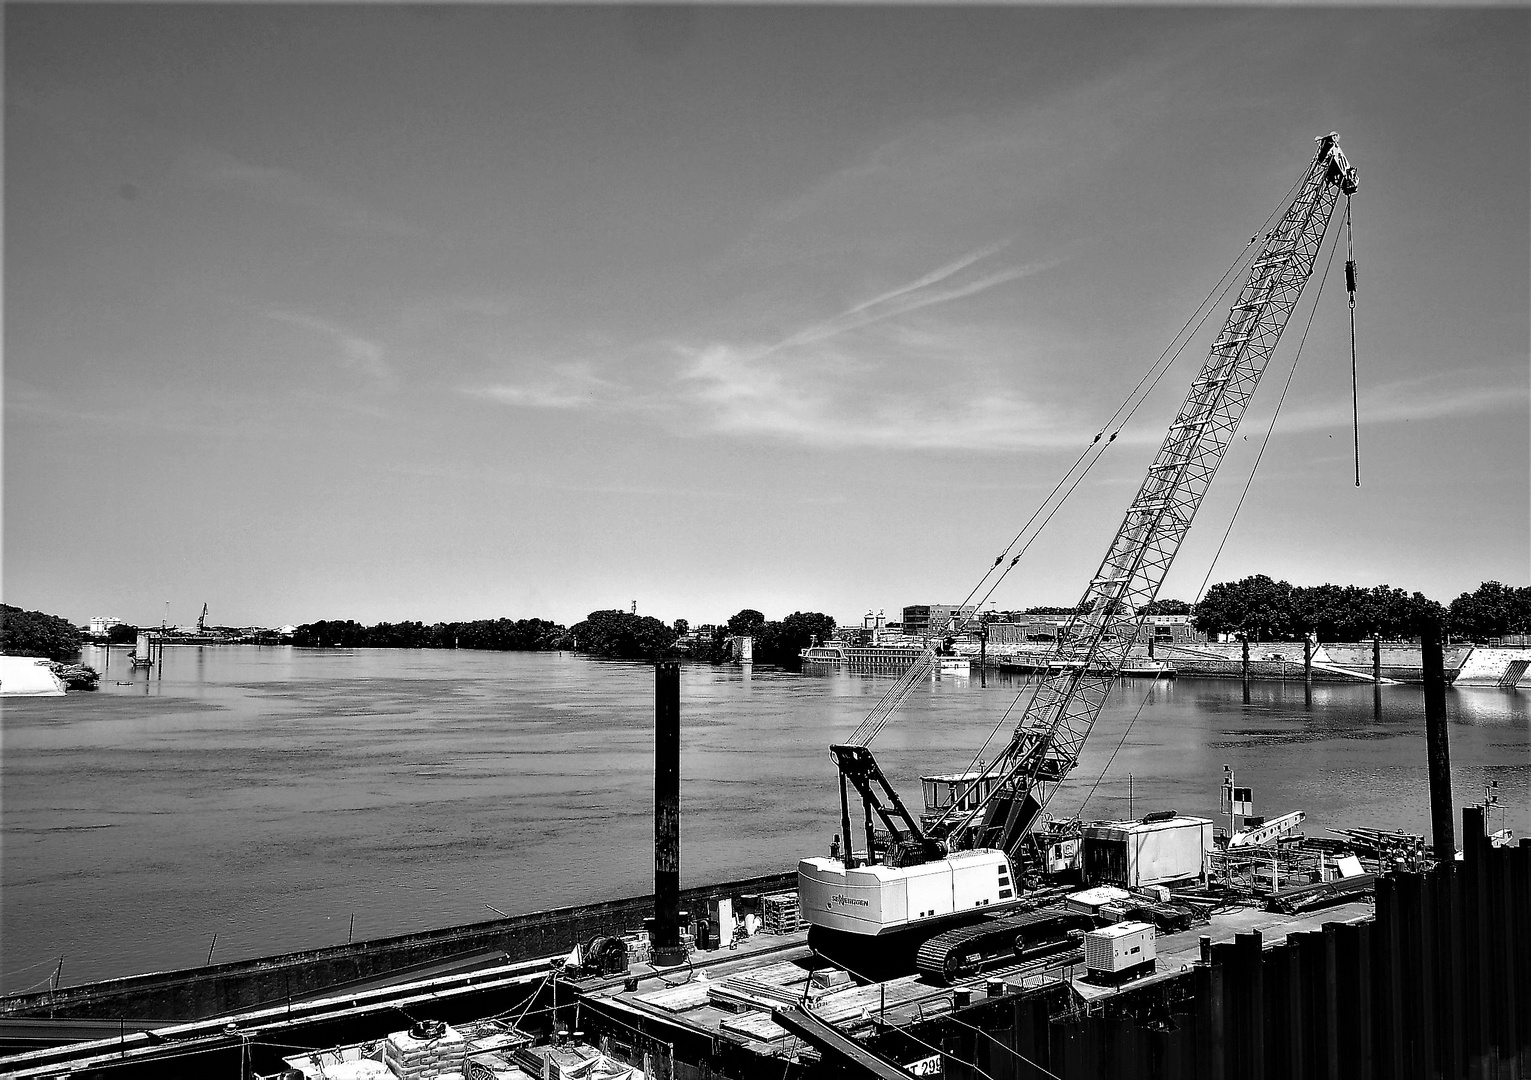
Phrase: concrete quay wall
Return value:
(1466, 665)
(197, 993)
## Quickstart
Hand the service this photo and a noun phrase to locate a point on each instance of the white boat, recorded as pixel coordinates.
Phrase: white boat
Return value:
(874, 659)
(1148, 669)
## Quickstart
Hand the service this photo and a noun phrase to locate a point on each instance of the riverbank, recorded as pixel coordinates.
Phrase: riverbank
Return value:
(1343, 662)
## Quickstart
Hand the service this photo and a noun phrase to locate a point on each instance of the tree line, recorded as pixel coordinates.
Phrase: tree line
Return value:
(1268, 610)
(497, 635)
(620, 635)
(1257, 605)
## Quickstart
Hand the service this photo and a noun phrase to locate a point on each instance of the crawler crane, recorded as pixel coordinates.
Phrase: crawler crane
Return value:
(943, 889)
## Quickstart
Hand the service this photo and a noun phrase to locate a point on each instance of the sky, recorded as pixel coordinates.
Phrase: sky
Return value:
(456, 312)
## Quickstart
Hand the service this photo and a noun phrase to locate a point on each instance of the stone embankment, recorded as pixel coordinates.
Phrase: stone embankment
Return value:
(1466, 665)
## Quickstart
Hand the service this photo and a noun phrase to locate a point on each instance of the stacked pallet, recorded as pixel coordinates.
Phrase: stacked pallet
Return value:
(781, 913)
(426, 1052)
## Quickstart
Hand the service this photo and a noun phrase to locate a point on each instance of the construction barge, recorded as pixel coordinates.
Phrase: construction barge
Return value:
(1421, 973)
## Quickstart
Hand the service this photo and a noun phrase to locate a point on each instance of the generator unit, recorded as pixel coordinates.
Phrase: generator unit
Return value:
(1119, 952)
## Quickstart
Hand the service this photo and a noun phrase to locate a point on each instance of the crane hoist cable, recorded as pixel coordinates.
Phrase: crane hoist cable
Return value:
(1271, 427)
(1350, 287)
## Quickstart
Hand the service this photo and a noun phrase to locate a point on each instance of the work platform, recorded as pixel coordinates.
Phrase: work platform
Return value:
(728, 997)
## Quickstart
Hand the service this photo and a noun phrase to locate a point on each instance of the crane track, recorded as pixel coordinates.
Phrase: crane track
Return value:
(967, 950)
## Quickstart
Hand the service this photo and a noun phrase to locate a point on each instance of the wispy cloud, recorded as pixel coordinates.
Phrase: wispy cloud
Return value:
(321, 202)
(906, 298)
(1430, 398)
(355, 352)
(1434, 397)
(875, 375)
(566, 386)
(735, 394)
(935, 277)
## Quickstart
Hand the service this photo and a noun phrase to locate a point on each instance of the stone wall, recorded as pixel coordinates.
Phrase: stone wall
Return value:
(196, 993)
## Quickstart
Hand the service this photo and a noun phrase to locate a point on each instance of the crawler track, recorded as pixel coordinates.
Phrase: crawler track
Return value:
(967, 950)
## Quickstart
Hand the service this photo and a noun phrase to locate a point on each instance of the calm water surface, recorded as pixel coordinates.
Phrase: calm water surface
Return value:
(269, 795)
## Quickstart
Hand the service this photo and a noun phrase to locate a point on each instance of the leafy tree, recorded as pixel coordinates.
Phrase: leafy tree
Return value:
(746, 622)
(780, 643)
(1256, 606)
(620, 635)
(33, 633)
(122, 634)
(682, 627)
(1167, 607)
(1492, 610)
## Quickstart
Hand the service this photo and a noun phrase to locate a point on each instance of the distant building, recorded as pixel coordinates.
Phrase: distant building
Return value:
(100, 626)
(1170, 630)
(1161, 629)
(1020, 631)
(932, 618)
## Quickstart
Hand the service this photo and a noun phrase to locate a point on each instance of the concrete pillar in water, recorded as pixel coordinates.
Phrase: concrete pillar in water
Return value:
(1245, 639)
(1437, 746)
(1307, 659)
(667, 950)
(1377, 660)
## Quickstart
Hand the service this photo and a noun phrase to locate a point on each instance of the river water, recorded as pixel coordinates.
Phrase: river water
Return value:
(274, 796)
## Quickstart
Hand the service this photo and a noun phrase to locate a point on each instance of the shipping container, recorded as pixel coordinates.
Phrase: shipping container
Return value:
(1135, 854)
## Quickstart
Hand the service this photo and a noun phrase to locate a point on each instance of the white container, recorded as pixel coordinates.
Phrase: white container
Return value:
(1117, 948)
(1136, 854)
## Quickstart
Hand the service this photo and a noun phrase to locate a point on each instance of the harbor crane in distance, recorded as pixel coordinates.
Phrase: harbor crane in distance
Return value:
(202, 621)
(943, 888)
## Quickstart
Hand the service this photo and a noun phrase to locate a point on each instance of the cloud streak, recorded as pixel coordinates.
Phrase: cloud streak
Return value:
(935, 277)
(885, 372)
(1415, 399)
(903, 300)
(567, 386)
(356, 352)
(218, 170)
